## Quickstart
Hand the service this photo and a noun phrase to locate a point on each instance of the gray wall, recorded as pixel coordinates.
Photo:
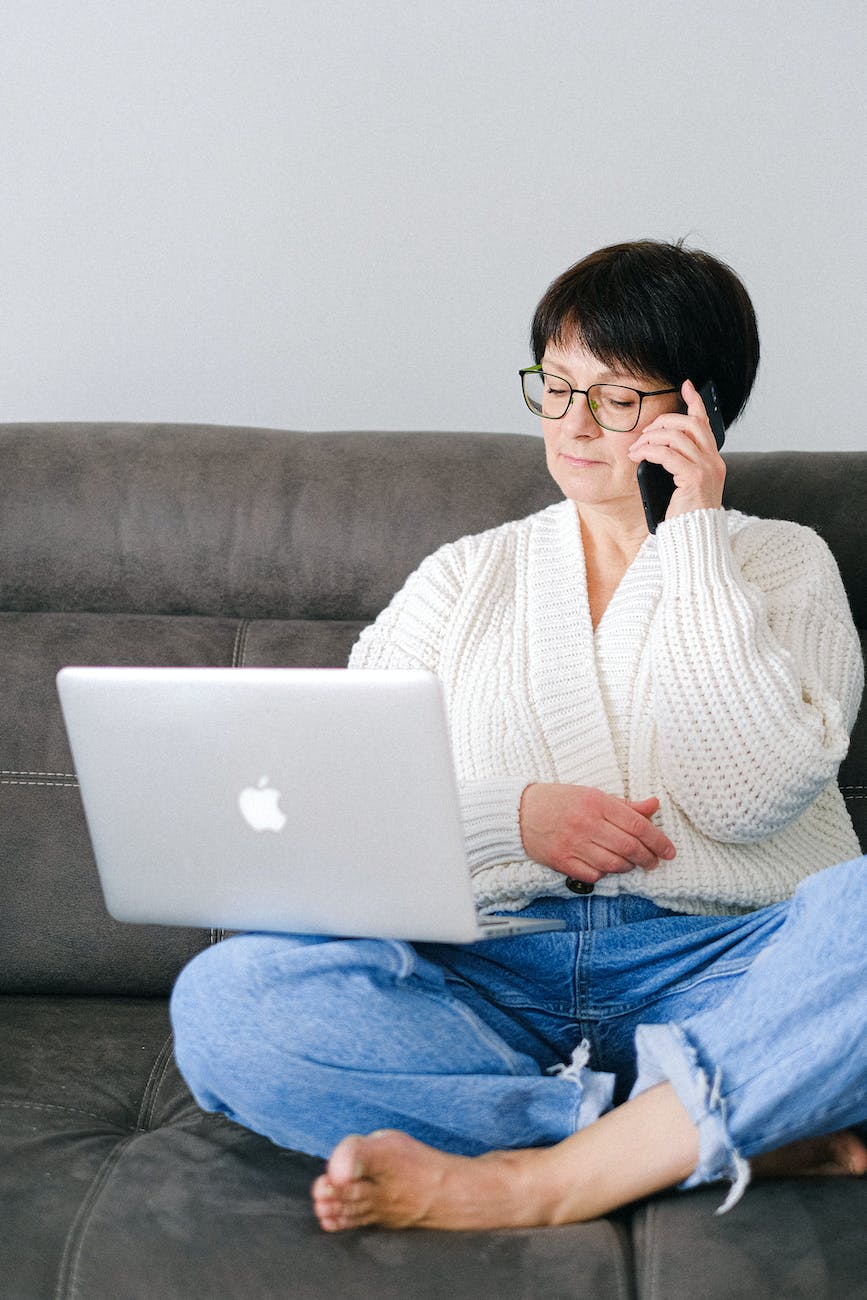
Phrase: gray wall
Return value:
(340, 215)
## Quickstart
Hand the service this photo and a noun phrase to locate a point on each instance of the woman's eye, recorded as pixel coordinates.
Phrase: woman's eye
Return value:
(619, 401)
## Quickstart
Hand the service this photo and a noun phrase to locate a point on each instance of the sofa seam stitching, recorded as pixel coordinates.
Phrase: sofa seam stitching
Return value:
(153, 1085)
(11, 771)
(58, 785)
(624, 1274)
(66, 1110)
(78, 1229)
(239, 649)
(648, 1273)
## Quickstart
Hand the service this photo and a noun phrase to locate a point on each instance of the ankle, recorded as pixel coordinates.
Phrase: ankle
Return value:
(547, 1185)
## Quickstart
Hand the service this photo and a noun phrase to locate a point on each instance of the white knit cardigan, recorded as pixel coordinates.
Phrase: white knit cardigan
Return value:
(724, 678)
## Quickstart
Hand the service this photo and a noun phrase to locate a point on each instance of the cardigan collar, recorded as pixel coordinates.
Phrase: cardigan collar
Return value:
(563, 674)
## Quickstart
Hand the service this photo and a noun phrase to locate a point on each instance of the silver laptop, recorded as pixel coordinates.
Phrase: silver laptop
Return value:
(303, 800)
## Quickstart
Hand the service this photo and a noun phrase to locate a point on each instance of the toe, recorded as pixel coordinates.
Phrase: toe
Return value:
(344, 1163)
(322, 1189)
(850, 1152)
(343, 1218)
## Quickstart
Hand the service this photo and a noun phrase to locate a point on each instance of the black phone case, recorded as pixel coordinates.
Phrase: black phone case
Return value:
(655, 484)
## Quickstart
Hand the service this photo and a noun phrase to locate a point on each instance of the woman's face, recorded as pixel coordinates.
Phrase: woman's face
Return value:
(588, 463)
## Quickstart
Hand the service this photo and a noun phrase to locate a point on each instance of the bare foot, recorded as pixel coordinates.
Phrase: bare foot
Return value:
(391, 1179)
(836, 1153)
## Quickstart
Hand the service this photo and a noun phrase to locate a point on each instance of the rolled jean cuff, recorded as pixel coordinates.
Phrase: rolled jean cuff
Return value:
(666, 1055)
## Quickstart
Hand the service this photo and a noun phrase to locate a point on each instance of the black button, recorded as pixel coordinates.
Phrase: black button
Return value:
(579, 887)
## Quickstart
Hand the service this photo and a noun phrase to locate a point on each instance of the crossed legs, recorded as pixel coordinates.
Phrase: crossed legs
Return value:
(642, 1147)
(785, 1035)
(280, 1036)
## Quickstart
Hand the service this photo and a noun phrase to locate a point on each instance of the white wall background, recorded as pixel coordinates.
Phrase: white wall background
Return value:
(340, 215)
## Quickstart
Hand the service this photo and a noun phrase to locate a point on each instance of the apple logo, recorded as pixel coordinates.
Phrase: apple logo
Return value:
(259, 807)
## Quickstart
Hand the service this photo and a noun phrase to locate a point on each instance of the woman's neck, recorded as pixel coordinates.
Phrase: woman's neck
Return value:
(610, 546)
(613, 540)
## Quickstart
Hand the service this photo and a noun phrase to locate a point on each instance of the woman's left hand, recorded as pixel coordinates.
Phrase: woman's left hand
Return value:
(686, 447)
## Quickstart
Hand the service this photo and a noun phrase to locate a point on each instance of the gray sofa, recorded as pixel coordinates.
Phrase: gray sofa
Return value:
(131, 544)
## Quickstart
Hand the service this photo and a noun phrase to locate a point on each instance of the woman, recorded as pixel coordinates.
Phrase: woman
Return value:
(647, 731)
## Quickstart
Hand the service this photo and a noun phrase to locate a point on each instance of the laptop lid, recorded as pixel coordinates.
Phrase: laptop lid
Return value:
(299, 800)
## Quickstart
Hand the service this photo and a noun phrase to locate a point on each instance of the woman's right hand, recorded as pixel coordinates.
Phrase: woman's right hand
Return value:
(586, 834)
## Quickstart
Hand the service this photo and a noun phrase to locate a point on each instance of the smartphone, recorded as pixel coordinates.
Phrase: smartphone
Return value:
(655, 484)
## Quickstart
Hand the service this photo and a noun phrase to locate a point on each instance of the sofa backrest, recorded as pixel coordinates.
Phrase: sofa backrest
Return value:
(156, 544)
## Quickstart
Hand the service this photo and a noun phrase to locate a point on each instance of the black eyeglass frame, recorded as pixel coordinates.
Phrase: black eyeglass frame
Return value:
(585, 392)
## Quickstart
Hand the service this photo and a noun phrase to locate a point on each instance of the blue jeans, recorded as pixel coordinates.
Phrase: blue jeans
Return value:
(758, 1021)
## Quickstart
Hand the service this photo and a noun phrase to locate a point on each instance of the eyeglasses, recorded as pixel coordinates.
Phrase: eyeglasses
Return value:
(612, 406)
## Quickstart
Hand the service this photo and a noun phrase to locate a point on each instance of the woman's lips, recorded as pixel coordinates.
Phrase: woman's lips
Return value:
(580, 462)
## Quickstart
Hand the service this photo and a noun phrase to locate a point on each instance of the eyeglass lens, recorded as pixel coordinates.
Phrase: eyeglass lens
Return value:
(612, 406)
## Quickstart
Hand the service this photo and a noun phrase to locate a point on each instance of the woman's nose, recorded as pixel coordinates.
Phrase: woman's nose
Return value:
(578, 420)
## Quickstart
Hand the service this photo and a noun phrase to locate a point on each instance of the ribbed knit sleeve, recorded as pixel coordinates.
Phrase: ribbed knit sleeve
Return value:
(411, 633)
(757, 672)
(489, 811)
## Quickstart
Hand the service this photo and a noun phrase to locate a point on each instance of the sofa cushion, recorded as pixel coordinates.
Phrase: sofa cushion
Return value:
(798, 1238)
(246, 522)
(137, 1193)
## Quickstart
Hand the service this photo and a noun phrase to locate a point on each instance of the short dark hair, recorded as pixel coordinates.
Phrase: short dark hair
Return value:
(661, 310)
